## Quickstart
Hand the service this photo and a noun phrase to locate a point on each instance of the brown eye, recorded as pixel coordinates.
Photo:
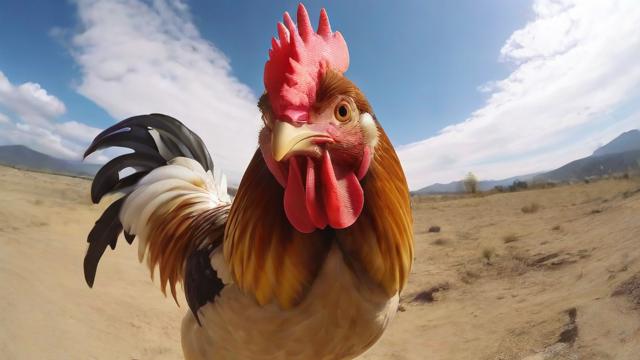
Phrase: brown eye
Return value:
(342, 111)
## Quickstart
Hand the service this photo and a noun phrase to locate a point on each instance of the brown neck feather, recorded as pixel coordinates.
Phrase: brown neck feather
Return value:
(267, 256)
(380, 243)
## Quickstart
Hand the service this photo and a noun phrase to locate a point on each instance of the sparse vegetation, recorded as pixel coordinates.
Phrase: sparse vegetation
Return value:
(427, 296)
(629, 193)
(518, 264)
(510, 238)
(470, 183)
(440, 242)
(487, 254)
(518, 185)
(630, 288)
(469, 276)
(556, 228)
(434, 229)
(531, 208)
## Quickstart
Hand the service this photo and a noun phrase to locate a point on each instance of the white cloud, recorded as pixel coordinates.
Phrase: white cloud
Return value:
(77, 132)
(29, 101)
(138, 58)
(576, 82)
(35, 112)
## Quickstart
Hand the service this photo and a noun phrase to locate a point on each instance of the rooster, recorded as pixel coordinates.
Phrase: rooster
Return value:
(308, 260)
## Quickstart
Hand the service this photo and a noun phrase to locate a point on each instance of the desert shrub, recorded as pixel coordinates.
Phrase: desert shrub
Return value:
(510, 238)
(469, 276)
(427, 296)
(518, 185)
(470, 183)
(488, 253)
(434, 229)
(440, 241)
(629, 288)
(531, 208)
(556, 228)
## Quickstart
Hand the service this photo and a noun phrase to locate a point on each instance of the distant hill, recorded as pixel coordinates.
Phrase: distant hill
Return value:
(627, 141)
(23, 157)
(595, 166)
(620, 155)
(484, 185)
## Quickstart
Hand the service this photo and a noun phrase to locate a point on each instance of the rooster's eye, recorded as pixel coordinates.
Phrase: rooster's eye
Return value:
(342, 111)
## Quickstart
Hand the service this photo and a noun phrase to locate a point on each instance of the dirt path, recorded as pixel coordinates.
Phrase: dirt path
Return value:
(494, 283)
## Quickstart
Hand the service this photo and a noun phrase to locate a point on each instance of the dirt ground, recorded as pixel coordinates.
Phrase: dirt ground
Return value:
(560, 280)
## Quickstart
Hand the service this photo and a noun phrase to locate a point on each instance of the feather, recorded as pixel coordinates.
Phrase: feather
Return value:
(380, 242)
(136, 138)
(267, 257)
(172, 203)
(201, 283)
(108, 177)
(104, 233)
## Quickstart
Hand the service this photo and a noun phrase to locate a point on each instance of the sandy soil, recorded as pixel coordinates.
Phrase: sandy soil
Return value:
(494, 283)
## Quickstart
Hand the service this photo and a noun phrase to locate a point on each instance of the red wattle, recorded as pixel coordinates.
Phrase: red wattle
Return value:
(342, 194)
(313, 200)
(294, 204)
(364, 164)
(331, 197)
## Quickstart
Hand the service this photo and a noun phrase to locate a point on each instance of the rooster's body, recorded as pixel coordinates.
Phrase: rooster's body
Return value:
(308, 260)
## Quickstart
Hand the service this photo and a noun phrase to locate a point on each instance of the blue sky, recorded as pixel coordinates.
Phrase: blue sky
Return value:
(496, 87)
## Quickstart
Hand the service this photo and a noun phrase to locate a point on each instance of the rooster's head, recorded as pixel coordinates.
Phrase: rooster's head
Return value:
(320, 134)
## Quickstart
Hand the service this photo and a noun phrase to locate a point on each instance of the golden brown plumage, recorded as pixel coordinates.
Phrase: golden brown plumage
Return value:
(380, 242)
(267, 256)
(309, 259)
(270, 259)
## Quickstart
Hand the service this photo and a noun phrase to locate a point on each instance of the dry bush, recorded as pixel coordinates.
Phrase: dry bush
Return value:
(488, 253)
(510, 238)
(440, 242)
(470, 183)
(469, 276)
(630, 193)
(629, 288)
(434, 229)
(531, 208)
(427, 296)
(556, 228)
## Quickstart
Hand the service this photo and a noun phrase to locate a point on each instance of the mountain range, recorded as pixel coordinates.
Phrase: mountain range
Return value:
(620, 155)
(22, 157)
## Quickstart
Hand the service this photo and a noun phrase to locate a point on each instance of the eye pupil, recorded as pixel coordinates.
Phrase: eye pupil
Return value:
(342, 111)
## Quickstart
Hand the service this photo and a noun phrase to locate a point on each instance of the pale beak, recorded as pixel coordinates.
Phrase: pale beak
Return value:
(287, 140)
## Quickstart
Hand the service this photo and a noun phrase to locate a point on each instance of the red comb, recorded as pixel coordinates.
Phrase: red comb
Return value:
(296, 62)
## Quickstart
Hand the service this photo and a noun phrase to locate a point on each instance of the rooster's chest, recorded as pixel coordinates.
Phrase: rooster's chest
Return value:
(339, 319)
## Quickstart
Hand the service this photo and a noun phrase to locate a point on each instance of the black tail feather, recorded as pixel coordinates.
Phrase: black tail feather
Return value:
(129, 237)
(201, 282)
(176, 137)
(135, 138)
(134, 133)
(108, 178)
(104, 233)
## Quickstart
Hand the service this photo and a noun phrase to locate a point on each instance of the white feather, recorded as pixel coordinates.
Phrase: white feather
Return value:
(370, 129)
(162, 148)
(219, 264)
(182, 177)
(339, 318)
